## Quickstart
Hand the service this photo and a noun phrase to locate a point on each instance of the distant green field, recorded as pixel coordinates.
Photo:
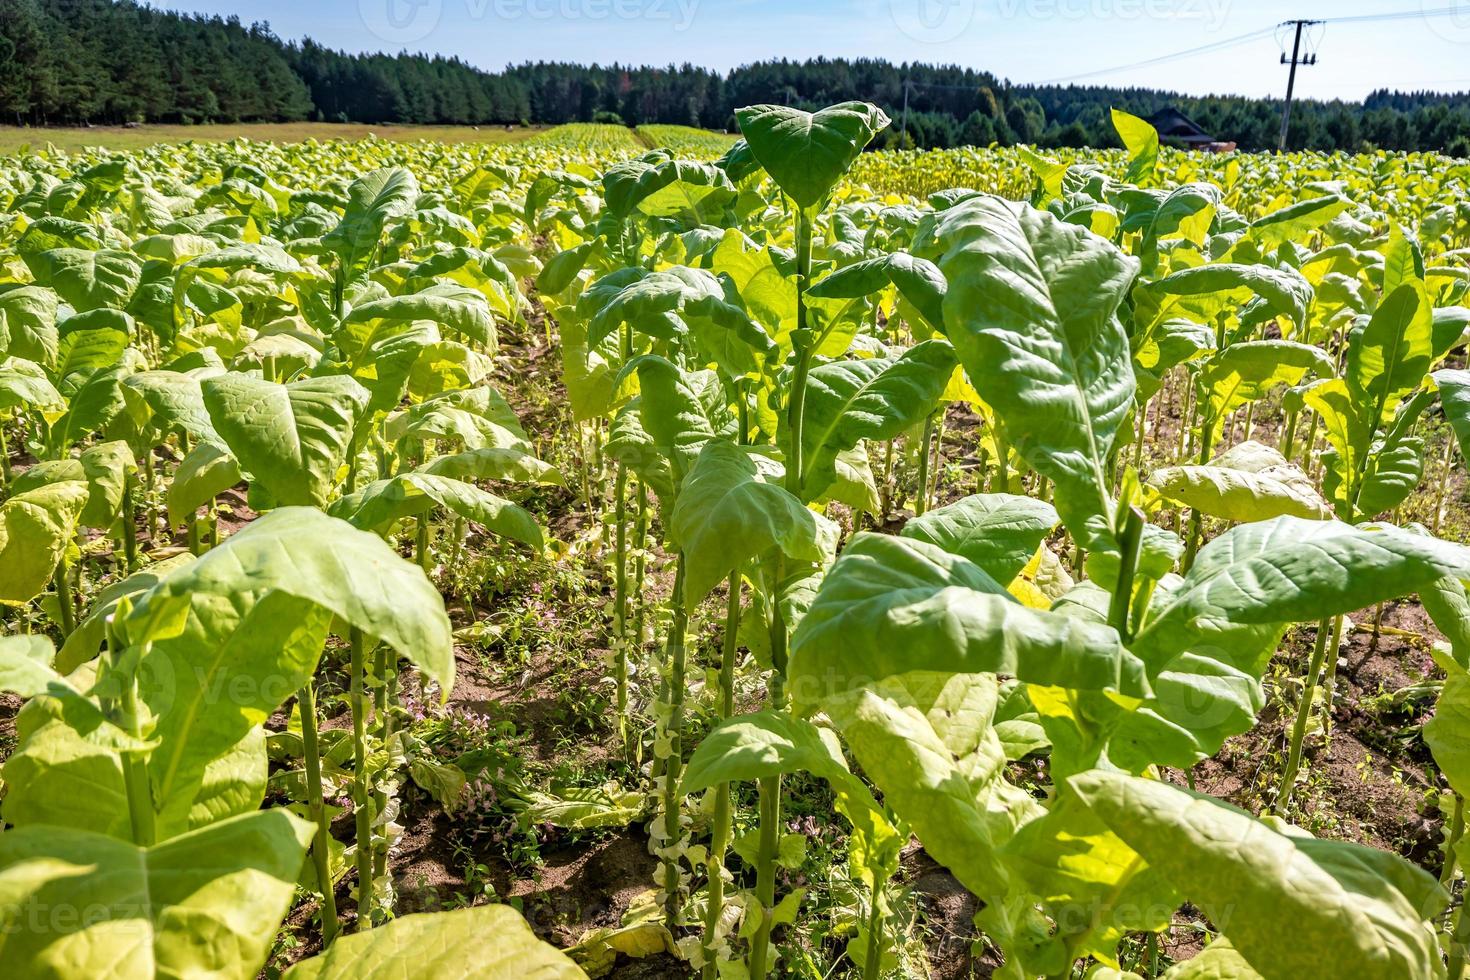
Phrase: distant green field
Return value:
(14, 138)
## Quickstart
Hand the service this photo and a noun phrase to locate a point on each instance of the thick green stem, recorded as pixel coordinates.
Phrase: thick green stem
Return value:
(620, 601)
(1459, 942)
(873, 955)
(765, 874)
(321, 853)
(640, 567)
(129, 522)
(125, 713)
(5, 473)
(65, 604)
(1196, 521)
(1326, 635)
(1130, 542)
(1002, 463)
(720, 831)
(802, 346)
(383, 667)
(1457, 830)
(922, 503)
(1288, 441)
(421, 542)
(676, 654)
(362, 798)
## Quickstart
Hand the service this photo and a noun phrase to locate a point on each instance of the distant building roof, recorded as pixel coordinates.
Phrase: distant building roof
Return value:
(1175, 125)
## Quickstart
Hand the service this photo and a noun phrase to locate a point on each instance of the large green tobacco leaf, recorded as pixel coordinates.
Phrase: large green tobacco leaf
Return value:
(207, 471)
(807, 153)
(680, 410)
(94, 405)
(380, 503)
(1292, 906)
(1094, 886)
(1205, 292)
(1142, 142)
(490, 942)
(877, 398)
(104, 468)
(999, 532)
(918, 281)
(726, 515)
(1448, 733)
(1389, 354)
(1454, 393)
(1032, 310)
(1257, 577)
(668, 189)
(1249, 482)
(1296, 221)
(351, 573)
(239, 657)
(87, 280)
(1245, 372)
(373, 200)
(926, 741)
(1217, 961)
(291, 438)
(28, 324)
(76, 903)
(451, 305)
(24, 385)
(476, 418)
(35, 528)
(495, 464)
(176, 400)
(892, 605)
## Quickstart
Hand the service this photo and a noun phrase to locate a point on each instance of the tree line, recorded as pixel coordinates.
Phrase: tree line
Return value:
(70, 62)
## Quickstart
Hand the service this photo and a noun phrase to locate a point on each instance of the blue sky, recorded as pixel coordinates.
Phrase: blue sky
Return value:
(1023, 40)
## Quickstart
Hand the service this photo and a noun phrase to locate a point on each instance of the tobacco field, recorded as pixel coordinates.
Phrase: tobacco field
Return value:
(660, 554)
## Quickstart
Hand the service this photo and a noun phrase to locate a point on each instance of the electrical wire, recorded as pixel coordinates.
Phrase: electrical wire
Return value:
(1240, 39)
(1221, 45)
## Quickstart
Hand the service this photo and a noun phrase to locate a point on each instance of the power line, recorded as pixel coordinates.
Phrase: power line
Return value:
(1229, 42)
(1239, 39)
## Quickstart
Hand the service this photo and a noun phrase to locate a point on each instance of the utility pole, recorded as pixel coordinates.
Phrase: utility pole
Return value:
(1296, 59)
(905, 130)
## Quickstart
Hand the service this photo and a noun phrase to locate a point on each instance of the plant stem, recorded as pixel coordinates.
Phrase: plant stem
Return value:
(620, 601)
(321, 853)
(801, 345)
(5, 473)
(1304, 711)
(362, 796)
(421, 542)
(383, 666)
(1459, 940)
(675, 651)
(720, 832)
(922, 503)
(124, 713)
(1130, 542)
(640, 566)
(765, 873)
(873, 958)
(65, 605)
(1457, 830)
(130, 522)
